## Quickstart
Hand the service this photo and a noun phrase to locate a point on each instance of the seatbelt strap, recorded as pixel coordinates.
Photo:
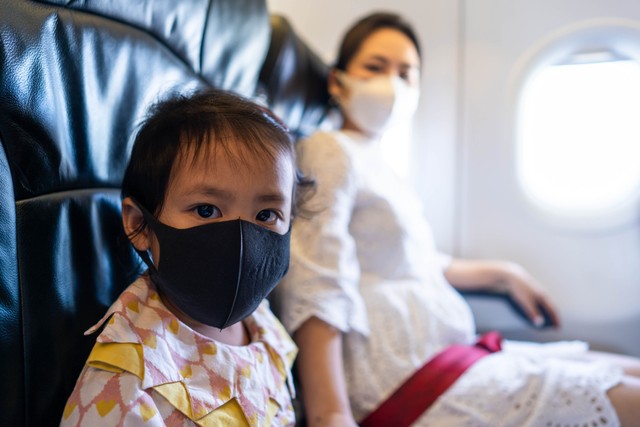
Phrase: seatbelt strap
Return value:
(420, 390)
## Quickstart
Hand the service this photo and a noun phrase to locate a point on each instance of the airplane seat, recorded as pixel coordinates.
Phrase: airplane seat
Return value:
(293, 81)
(76, 78)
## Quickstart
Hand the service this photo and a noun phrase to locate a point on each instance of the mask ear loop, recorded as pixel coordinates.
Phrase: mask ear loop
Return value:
(153, 271)
(241, 255)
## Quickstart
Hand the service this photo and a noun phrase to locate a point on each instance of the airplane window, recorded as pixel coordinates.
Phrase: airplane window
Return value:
(579, 136)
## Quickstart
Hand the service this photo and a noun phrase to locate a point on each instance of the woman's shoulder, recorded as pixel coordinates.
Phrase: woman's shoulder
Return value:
(326, 140)
(325, 148)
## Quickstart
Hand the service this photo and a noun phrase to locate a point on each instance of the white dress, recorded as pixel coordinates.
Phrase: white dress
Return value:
(365, 262)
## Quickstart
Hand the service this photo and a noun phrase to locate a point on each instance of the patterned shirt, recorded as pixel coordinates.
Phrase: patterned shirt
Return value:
(148, 368)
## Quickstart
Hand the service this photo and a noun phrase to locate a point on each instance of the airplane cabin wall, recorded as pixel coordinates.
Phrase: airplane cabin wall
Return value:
(591, 266)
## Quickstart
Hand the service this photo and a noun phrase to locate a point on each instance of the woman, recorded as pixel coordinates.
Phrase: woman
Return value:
(369, 300)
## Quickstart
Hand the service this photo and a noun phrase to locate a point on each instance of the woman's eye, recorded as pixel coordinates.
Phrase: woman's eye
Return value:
(267, 215)
(374, 68)
(207, 211)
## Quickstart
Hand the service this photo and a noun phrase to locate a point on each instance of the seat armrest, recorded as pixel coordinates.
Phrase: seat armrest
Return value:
(506, 298)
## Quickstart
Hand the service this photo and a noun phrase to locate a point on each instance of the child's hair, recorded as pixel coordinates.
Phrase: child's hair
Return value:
(196, 121)
(366, 26)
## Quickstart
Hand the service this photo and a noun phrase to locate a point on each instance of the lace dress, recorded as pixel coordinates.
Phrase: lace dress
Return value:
(365, 262)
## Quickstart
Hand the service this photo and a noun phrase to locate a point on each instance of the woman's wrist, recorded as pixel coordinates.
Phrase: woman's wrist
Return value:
(507, 273)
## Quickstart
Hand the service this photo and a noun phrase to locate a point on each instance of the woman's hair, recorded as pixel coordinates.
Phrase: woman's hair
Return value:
(356, 35)
(196, 122)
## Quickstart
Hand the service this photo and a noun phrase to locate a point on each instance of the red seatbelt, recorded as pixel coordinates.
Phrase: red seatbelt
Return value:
(420, 390)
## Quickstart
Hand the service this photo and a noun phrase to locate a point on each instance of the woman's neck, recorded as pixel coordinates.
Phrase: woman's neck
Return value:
(348, 125)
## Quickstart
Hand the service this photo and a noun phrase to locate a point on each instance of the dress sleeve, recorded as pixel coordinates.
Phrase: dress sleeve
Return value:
(444, 260)
(104, 398)
(324, 273)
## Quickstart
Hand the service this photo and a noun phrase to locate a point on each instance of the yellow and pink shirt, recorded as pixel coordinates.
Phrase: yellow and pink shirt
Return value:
(148, 368)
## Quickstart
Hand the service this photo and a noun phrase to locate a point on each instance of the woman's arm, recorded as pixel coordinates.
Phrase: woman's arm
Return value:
(323, 281)
(507, 276)
(321, 371)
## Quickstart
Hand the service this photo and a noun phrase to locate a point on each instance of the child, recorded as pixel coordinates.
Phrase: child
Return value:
(208, 197)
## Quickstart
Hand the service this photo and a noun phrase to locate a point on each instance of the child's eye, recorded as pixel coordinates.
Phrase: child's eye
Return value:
(208, 211)
(267, 215)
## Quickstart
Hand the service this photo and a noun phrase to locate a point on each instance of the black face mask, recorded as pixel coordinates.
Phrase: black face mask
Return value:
(220, 272)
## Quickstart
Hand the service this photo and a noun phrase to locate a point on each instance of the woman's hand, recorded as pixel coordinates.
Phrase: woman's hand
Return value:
(529, 294)
(509, 277)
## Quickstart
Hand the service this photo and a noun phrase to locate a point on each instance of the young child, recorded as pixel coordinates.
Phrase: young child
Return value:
(208, 197)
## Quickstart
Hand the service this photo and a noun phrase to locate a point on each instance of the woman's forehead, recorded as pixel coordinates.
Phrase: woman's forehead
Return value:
(389, 43)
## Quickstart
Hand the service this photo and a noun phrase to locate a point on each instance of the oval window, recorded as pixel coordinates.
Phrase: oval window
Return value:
(579, 136)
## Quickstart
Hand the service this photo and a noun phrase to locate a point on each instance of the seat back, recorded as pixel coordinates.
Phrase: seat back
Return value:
(293, 81)
(76, 78)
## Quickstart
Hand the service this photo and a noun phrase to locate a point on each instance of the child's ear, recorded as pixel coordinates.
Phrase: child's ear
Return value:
(132, 220)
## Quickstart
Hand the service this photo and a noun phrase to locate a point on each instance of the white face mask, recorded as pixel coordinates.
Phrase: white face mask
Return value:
(377, 103)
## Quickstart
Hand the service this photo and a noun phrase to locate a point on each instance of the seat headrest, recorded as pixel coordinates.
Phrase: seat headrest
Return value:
(223, 41)
(77, 80)
(294, 80)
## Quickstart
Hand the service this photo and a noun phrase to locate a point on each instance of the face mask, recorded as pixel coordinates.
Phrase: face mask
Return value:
(218, 273)
(377, 103)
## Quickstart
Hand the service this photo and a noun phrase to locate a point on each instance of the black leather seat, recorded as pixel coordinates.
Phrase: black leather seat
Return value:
(75, 80)
(293, 80)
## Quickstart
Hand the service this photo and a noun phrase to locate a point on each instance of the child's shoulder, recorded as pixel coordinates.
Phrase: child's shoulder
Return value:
(107, 401)
(266, 321)
(264, 326)
(129, 301)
